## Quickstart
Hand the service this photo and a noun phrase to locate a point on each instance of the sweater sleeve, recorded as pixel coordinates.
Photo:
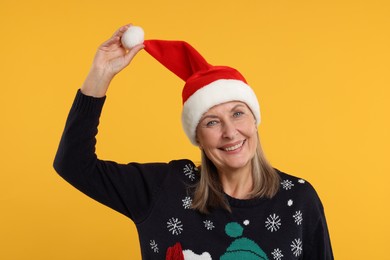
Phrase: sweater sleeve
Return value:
(318, 244)
(320, 248)
(130, 189)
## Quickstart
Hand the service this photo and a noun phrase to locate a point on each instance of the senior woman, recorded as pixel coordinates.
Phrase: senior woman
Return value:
(235, 205)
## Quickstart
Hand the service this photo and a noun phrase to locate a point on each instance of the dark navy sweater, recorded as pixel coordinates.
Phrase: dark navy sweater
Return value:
(157, 197)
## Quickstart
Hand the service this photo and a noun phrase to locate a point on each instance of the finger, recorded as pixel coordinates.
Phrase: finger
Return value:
(131, 54)
(122, 30)
(111, 41)
(136, 49)
(115, 38)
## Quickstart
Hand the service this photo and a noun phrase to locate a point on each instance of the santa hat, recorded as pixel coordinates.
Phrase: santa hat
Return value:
(205, 85)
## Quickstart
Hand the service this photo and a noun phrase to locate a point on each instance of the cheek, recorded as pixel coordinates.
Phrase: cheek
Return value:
(249, 129)
(206, 138)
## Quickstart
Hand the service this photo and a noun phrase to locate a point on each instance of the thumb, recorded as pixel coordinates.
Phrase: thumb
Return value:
(132, 52)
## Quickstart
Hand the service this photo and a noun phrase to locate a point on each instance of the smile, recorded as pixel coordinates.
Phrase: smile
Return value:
(234, 147)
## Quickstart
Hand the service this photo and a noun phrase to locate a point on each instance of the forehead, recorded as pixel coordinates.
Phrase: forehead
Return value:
(227, 106)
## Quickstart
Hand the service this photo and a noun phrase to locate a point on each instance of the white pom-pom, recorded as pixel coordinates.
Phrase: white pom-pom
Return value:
(132, 37)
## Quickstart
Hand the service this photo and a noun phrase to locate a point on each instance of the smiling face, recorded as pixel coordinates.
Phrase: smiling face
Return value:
(227, 133)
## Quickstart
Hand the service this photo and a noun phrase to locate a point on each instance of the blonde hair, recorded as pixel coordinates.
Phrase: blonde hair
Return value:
(208, 193)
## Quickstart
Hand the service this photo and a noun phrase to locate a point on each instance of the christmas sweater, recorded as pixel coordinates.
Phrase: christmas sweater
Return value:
(157, 197)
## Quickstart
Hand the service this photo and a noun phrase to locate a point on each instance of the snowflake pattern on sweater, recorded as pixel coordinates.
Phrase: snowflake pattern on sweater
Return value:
(158, 198)
(241, 247)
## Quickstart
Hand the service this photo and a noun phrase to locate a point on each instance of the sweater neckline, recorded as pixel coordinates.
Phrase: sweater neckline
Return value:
(243, 203)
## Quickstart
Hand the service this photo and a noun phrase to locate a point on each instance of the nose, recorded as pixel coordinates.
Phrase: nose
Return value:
(229, 130)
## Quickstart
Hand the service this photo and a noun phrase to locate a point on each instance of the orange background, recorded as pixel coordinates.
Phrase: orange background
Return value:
(319, 68)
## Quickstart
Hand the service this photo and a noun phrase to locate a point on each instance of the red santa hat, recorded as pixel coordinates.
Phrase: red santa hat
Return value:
(205, 85)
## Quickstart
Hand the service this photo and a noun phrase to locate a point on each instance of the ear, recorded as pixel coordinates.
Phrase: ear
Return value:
(197, 138)
(198, 143)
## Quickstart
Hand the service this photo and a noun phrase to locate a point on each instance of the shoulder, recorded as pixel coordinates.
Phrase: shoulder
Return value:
(299, 191)
(294, 183)
(185, 169)
(181, 162)
(172, 166)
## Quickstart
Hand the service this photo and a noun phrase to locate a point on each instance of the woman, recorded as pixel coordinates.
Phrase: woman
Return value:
(234, 206)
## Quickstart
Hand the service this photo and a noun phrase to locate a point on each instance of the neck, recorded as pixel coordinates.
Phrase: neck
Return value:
(237, 183)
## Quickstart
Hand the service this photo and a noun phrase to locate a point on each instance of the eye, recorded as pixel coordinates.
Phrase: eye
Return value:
(212, 123)
(238, 114)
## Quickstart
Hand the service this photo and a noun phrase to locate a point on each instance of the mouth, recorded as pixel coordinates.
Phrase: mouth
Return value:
(233, 147)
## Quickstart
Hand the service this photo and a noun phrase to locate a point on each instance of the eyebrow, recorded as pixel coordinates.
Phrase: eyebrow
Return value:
(238, 105)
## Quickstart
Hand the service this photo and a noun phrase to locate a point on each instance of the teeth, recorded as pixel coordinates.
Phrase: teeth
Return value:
(234, 147)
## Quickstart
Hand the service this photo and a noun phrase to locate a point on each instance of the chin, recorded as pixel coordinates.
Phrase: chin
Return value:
(236, 165)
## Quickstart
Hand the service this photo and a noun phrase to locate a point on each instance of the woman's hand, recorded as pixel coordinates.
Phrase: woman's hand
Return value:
(110, 58)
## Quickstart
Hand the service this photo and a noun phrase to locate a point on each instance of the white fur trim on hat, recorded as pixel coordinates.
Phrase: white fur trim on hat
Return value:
(215, 93)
